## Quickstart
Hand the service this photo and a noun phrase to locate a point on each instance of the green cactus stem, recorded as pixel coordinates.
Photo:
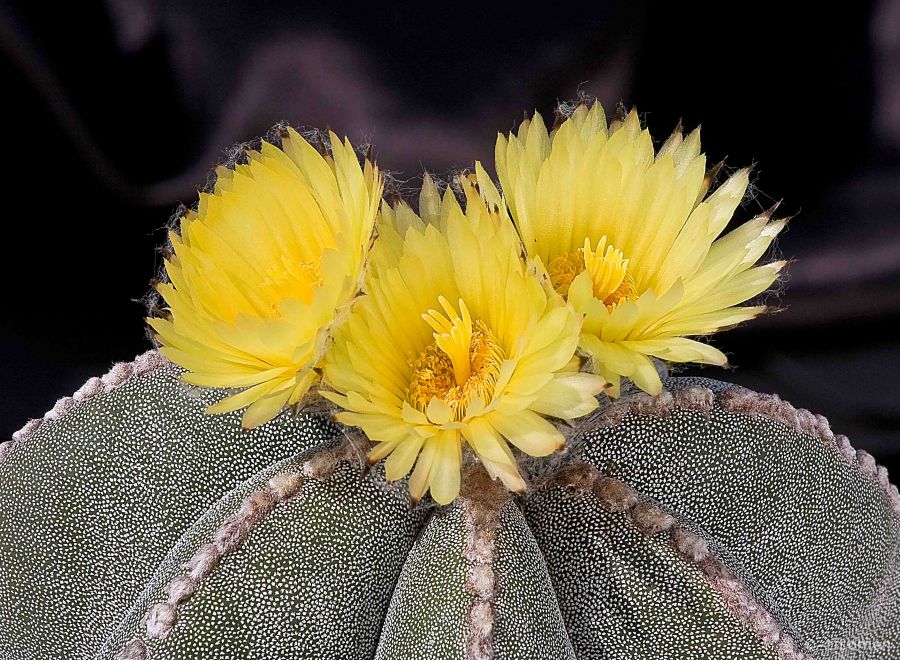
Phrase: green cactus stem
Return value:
(706, 522)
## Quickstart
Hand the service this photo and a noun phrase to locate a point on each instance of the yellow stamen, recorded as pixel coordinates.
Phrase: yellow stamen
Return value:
(608, 269)
(463, 363)
(609, 273)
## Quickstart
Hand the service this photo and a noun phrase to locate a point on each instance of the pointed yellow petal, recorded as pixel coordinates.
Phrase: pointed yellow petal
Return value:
(529, 432)
(401, 460)
(444, 476)
(265, 409)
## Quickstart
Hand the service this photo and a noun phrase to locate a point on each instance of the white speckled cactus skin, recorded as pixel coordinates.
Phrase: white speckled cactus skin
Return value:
(707, 522)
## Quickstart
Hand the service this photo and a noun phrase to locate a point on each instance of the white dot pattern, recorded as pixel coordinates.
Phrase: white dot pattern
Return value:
(103, 504)
(178, 561)
(626, 596)
(811, 536)
(428, 611)
(529, 623)
(312, 580)
(90, 504)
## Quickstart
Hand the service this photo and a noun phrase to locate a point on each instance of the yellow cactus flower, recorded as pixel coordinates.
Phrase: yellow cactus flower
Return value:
(262, 269)
(455, 342)
(630, 238)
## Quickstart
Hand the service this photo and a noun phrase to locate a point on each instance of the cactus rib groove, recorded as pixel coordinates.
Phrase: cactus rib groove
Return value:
(651, 519)
(824, 629)
(161, 617)
(696, 398)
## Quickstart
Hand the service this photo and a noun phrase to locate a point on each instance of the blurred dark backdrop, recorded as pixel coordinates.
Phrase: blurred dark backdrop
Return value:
(115, 111)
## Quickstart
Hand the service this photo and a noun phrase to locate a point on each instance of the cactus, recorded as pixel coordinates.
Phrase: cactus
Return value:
(705, 522)
(263, 495)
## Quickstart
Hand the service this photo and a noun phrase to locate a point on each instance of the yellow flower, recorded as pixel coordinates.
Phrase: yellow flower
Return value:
(262, 270)
(630, 238)
(455, 342)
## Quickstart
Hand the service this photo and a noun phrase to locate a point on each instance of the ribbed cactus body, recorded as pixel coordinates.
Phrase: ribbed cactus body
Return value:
(708, 522)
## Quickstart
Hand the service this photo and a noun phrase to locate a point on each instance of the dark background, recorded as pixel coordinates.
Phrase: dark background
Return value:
(114, 112)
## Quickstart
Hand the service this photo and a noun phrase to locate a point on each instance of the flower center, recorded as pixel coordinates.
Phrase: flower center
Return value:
(462, 364)
(607, 268)
(290, 279)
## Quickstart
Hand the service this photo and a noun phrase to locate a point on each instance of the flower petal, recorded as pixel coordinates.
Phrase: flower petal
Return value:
(529, 432)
